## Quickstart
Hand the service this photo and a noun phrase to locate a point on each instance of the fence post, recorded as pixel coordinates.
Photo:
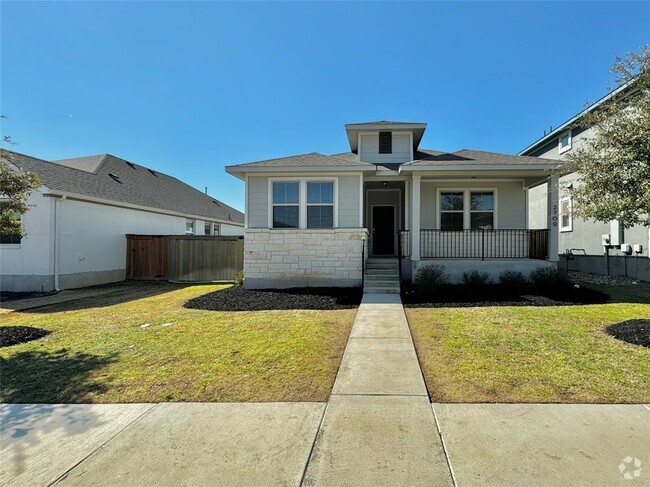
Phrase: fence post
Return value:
(482, 243)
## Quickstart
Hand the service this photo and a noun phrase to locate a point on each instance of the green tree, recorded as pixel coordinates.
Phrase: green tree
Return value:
(15, 187)
(614, 164)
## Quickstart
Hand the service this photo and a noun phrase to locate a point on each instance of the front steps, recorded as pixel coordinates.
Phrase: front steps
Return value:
(381, 277)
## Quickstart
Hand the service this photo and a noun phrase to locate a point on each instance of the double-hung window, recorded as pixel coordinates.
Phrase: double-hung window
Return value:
(564, 142)
(286, 204)
(13, 238)
(216, 228)
(207, 228)
(566, 219)
(320, 204)
(481, 211)
(452, 211)
(189, 227)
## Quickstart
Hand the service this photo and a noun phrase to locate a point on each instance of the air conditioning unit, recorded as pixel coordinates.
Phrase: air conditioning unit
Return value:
(638, 248)
(626, 249)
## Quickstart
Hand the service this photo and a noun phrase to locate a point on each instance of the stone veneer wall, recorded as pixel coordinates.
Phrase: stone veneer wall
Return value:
(275, 258)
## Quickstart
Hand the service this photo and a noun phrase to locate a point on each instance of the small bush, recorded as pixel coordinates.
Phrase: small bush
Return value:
(547, 276)
(476, 278)
(431, 278)
(239, 279)
(512, 279)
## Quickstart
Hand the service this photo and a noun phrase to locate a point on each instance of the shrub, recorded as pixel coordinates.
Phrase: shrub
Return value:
(239, 279)
(547, 276)
(431, 278)
(476, 278)
(512, 279)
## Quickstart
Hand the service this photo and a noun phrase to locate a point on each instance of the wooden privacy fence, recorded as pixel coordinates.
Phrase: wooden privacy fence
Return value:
(184, 258)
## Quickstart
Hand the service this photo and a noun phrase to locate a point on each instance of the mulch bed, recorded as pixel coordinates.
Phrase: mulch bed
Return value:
(460, 296)
(237, 298)
(13, 335)
(636, 332)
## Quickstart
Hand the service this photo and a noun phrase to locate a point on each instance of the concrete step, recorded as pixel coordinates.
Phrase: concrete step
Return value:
(380, 283)
(382, 272)
(381, 289)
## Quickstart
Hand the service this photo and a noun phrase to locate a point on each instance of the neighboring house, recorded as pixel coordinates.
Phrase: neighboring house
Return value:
(582, 239)
(77, 221)
(312, 218)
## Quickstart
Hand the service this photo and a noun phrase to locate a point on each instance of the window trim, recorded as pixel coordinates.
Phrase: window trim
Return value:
(193, 232)
(208, 226)
(569, 227)
(308, 204)
(21, 218)
(216, 229)
(560, 149)
(467, 206)
(302, 199)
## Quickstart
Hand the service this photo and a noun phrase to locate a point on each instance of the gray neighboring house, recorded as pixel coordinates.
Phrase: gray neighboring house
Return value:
(77, 220)
(582, 239)
(322, 220)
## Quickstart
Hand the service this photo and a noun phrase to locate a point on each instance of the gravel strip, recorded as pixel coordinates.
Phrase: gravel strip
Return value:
(636, 332)
(593, 278)
(237, 298)
(13, 335)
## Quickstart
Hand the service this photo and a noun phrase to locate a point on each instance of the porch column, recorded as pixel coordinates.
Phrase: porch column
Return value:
(553, 216)
(415, 218)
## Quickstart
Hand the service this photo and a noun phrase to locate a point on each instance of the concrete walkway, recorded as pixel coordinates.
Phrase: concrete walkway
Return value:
(379, 427)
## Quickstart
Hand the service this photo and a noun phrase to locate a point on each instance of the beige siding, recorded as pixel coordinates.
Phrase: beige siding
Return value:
(369, 149)
(258, 202)
(510, 202)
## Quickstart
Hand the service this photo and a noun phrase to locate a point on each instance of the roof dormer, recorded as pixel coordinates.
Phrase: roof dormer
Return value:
(384, 141)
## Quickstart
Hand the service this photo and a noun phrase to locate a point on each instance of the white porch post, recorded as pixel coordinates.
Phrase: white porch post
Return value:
(553, 215)
(415, 218)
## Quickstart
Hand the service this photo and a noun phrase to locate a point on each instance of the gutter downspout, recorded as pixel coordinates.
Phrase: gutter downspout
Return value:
(57, 211)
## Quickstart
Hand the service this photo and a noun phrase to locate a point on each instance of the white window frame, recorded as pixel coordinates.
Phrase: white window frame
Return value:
(560, 149)
(216, 229)
(308, 204)
(569, 227)
(193, 232)
(467, 192)
(21, 218)
(302, 199)
(207, 226)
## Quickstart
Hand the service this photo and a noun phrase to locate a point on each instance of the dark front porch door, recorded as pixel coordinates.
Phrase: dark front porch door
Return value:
(383, 230)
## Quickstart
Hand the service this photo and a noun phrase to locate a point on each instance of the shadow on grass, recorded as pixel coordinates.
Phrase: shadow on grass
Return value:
(51, 377)
(92, 297)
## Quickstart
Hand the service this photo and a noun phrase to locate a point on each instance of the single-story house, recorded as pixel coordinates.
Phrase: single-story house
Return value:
(325, 220)
(77, 220)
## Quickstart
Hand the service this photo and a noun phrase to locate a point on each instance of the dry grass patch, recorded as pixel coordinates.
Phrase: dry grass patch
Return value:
(99, 352)
(534, 354)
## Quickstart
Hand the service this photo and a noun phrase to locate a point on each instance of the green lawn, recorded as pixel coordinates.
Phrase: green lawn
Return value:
(534, 354)
(98, 352)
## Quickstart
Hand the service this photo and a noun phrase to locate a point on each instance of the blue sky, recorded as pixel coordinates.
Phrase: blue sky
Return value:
(187, 88)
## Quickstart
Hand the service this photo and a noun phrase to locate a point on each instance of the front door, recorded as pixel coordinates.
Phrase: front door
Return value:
(383, 230)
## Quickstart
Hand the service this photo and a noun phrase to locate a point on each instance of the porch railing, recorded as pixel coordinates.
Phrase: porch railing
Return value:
(479, 244)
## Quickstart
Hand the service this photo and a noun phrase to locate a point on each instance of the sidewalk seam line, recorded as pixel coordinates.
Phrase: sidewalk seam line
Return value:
(313, 445)
(444, 446)
(67, 472)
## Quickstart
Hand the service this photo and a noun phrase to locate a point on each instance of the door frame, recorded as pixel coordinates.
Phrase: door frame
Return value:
(397, 217)
(372, 252)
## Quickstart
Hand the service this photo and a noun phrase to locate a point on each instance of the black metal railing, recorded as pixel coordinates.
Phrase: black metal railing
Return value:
(479, 244)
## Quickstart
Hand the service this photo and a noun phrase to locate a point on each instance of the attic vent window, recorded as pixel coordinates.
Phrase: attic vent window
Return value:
(115, 177)
(385, 142)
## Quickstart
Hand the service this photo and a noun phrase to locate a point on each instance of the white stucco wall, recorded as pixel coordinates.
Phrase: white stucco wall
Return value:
(297, 258)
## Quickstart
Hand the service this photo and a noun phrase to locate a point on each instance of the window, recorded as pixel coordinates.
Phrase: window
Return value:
(385, 142)
(207, 229)
(566, 218)
(320, 204)
(481, 211)
(286, 204)
(451, 210)
(14, 238)
(217, 229)
(564, 142)
(189, 227)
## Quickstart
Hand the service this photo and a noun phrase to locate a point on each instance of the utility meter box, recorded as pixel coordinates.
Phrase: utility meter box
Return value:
(616, 233)
(606, 240)
(626, 248)
(638, 248)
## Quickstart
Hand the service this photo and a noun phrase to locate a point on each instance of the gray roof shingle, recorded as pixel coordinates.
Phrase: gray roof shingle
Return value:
(471, 157)
(134, 184)
(313, 159)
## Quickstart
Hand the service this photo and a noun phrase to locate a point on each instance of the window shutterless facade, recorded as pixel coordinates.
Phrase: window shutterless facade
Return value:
(566, 218)
(466, 209)
(14, 238)
(303, 202)
(189, 227)
(216, 229)
(564, 142)
(207, 228)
